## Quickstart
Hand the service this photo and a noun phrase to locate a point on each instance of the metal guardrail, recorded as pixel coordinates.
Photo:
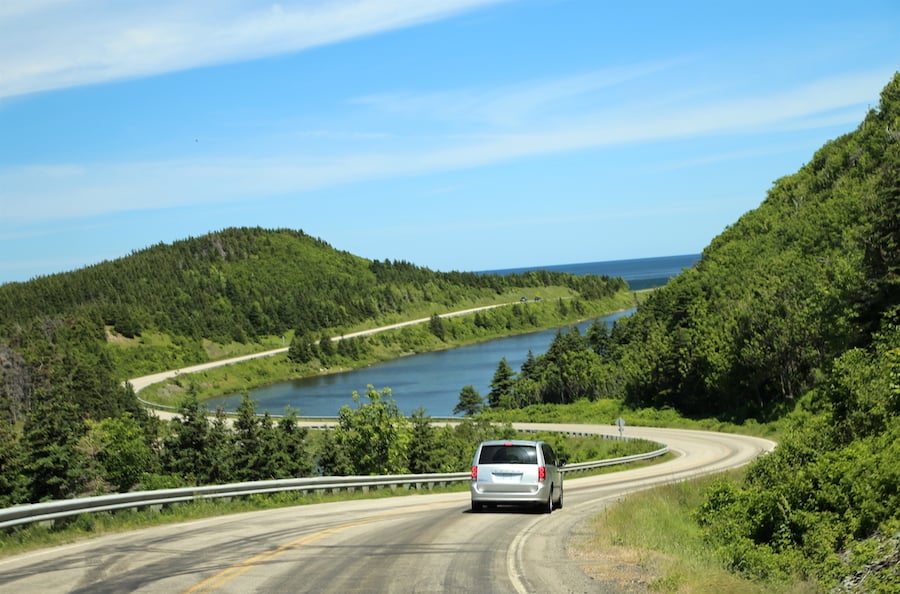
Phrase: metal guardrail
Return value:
(54, 510)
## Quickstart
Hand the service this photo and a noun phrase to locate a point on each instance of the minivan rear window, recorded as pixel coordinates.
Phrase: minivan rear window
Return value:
(508, 454)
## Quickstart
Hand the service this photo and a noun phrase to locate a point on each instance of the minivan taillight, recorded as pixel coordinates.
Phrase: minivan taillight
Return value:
(542, 473)
(474, 473)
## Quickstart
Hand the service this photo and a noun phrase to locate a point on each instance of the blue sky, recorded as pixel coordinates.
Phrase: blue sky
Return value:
(455, 134)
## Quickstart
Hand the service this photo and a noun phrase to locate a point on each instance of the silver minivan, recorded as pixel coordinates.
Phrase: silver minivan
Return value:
(516, 472)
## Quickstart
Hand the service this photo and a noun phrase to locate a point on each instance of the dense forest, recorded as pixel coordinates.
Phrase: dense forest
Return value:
(792, 313)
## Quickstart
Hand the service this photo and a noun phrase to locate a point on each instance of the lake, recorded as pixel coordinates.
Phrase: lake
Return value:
(433, 380)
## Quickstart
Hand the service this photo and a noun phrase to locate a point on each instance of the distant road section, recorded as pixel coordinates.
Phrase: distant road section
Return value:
(139, 383)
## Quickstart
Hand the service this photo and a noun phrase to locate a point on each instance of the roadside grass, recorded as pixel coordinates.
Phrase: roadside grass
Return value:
(650, 542)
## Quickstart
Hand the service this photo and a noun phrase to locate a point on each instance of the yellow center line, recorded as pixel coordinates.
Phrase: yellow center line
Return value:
(216, 581)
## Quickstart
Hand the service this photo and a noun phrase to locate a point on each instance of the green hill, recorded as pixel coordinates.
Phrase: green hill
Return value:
(239, 284)
(781, 294)
(796, 308)
(68, 425)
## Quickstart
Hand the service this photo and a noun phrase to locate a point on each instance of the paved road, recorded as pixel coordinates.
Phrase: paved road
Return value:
(420, 543)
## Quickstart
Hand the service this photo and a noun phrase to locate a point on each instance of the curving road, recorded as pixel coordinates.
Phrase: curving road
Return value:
(418, 543)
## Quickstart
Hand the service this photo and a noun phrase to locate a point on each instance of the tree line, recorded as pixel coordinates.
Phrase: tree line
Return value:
(62, 455)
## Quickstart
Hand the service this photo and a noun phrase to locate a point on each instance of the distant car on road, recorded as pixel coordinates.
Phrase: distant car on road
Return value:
(516, 472)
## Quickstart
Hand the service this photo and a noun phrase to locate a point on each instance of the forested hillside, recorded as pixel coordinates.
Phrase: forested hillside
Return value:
(238, 284)
(796, 307)
(792, 313)
(776, 298)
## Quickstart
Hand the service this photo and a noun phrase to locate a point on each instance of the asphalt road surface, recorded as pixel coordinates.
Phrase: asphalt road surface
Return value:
(417, 543)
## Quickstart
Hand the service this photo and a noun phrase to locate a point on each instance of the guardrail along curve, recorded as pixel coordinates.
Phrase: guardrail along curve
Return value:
(54, 510)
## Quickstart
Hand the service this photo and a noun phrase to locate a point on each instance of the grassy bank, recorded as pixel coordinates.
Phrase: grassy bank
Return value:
(650, 542)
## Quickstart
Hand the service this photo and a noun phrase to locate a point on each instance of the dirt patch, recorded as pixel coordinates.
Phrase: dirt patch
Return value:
(626, 569)
(113, 338)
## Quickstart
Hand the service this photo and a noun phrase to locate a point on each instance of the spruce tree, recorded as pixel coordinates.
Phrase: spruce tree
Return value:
(470, 402)
(187, 447)
(248, 446)
(425, 452)
(501, 384)
(221, 451)
(11, 487)
(52, 464)
(292, 453)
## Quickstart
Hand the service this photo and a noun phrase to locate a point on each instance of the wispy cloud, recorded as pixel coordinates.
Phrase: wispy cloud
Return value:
(84, 189)
(54, 44)
(514, 104)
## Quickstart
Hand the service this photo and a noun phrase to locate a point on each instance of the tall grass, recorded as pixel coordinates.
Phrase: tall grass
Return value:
(649, 541)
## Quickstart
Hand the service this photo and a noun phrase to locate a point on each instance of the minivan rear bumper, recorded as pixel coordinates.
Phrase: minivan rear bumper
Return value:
(510, 494)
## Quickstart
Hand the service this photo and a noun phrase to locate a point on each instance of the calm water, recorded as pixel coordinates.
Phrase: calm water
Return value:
(433, 380)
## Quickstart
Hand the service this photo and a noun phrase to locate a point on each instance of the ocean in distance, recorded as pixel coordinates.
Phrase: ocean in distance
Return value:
(641, 273)
(433, 380)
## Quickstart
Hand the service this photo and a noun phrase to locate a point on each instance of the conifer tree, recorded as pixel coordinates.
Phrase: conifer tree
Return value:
(248, 442)
(326, 349)
(425, 452)
(470, 402)
(292, 452)
(11, 487)
(501, 384)
(437, 326)
(52, 465)
(221, 451)
(302, 349)
(187, 448)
